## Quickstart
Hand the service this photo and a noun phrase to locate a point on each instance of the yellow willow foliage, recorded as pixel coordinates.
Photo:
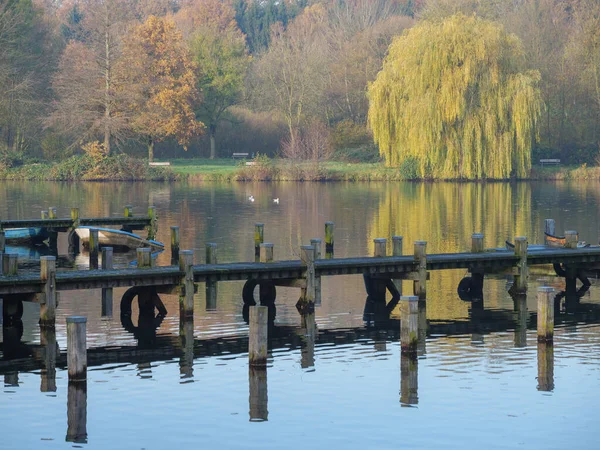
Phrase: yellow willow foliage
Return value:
(451, 95)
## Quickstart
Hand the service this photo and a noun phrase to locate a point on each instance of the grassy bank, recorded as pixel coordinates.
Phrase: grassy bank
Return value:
(125, 168)
(281, 170)
(86, 168)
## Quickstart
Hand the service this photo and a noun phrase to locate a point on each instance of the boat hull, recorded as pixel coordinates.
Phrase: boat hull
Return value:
(25, 236)
(117, 239)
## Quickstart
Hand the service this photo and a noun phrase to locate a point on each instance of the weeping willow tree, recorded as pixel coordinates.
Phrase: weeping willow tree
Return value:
(452, 97)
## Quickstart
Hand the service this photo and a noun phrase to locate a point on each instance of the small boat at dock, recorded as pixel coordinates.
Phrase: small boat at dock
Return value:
(551, 241)
(117, 239)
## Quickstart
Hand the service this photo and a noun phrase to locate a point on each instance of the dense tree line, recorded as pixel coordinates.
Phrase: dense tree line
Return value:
(268, 76)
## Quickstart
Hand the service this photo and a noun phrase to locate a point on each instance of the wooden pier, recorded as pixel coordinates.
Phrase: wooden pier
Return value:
(379, 272)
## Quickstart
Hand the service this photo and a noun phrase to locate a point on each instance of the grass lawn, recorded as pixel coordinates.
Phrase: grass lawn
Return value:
(228, 169)
(222, 167)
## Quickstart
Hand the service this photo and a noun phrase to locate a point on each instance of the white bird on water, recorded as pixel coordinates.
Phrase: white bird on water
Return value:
(251, 198)
(276, 200)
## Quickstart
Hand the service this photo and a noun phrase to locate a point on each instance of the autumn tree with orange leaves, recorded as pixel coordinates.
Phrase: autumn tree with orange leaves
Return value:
(159, 75)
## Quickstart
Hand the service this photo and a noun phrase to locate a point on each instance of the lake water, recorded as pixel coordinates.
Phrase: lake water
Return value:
(481, 379)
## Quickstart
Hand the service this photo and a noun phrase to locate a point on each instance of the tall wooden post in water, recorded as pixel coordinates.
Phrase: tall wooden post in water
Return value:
(306, 303)
(571, 239)
(153, 227)
(477, 274)
(420, 285)
(316, 243)
(409, 324)
(73, 237)
(520, 282)
(257, 343)
(76, 348)
(94, 245)
(397, 242)
(259, 238)
(329, 240)
(48, 278)
(545, 314)
(174, 245)
(549, 228)
(211, 286)
(379, 247)
(52, 233)
(186, 294)
(107, 293)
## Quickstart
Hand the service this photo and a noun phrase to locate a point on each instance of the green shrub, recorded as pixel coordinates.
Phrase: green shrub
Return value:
(409, 169)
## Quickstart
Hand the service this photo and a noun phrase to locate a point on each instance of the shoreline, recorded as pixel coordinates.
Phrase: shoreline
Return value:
(124, 168)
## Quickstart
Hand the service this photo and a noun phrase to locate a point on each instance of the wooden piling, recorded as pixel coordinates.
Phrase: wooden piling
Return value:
(144, 258)
(545, 314)
(549, 228)
(308, 258)
(94, 245)
(186, 297)
(73, 236)
(477, 243)
(520, 282)
(76, 348)
(571, 239)
(266, 253)
(259, 238)
(257, 342)
(329, 240)
(48, 278)
(379, 247)
(211, 286)
(153, 226)
(409, 324)
(107, 293)
(397, 245)
(316, 243)
(211, 253)
(10, 264)
(174, 245)
(397, 242)
(75, 217)
(420, 285)
(52, 233)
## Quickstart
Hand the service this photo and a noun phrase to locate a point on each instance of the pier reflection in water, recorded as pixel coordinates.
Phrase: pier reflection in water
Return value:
(336, 373)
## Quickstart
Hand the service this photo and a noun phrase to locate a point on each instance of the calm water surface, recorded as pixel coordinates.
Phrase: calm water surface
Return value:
(481, 379)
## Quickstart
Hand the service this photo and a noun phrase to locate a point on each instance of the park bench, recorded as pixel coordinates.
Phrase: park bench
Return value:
(549, 162)
(239, 155)
(156, 163)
